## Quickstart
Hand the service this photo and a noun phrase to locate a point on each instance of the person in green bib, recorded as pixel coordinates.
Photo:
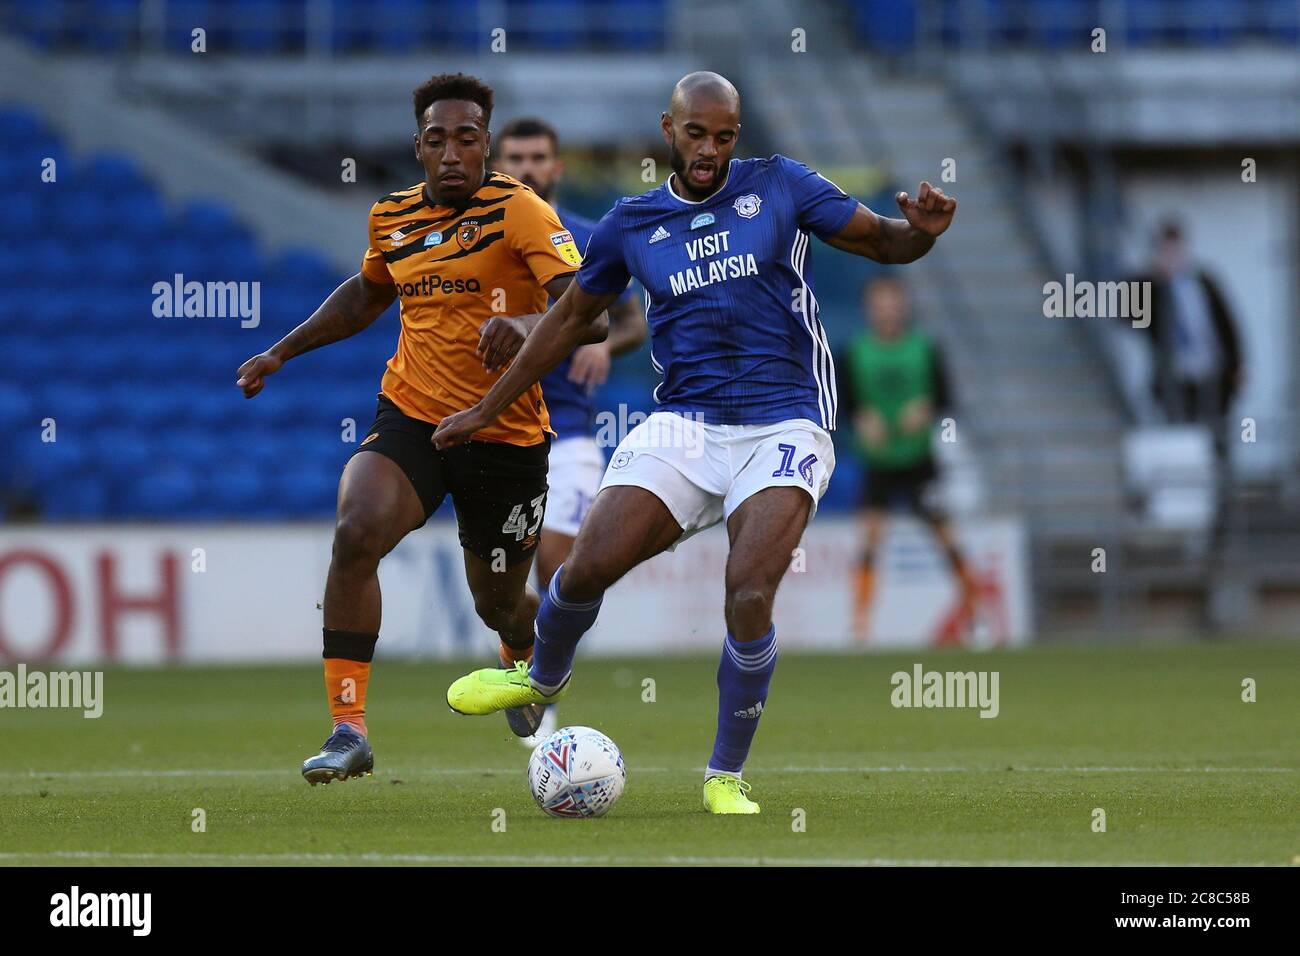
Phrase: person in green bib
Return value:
(892, 384)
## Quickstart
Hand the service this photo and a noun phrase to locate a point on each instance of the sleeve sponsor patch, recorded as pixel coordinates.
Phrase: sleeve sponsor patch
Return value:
(565, 246)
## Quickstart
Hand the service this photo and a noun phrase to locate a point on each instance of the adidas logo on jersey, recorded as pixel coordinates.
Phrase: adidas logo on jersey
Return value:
(660, 233)
(750, 713)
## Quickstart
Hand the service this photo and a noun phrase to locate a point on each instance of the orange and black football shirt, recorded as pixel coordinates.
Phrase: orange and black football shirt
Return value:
(453, 271)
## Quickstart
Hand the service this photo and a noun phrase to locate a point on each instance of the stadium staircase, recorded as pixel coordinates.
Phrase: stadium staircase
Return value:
(1039, 410)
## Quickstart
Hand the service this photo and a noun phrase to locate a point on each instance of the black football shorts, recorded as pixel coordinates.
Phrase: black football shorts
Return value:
(498, 490)
(903, 489)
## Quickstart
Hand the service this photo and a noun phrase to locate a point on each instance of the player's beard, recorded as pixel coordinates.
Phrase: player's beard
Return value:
(678, 162)
(533, 184)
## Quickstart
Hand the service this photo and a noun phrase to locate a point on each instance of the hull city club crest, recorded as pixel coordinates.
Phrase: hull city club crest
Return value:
(467, 233)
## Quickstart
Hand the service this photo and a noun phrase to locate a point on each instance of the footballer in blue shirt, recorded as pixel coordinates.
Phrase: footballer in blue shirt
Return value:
(743, 414)
(527, 149)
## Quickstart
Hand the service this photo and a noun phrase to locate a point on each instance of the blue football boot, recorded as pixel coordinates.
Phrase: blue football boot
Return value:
(346, 754)
(524, 722)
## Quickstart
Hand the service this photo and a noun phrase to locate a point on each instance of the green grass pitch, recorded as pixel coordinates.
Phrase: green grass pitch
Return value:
(1159, 738)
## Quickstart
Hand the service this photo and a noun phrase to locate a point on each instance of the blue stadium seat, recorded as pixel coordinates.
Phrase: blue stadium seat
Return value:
(105, 359)
(54, 263)
(19, 124)
(17, 406)
(115, 260)
(304, 492)
(260, 26)
(112, 171)
(120, 450)
(163, 490)
(236, 258)
(140, 216)
(207, 222)
(239, 487)
(76, 407)
(84, 497)
(47, 461)
(182, 17)
(298, 267)
(23, 214)
(114, 28)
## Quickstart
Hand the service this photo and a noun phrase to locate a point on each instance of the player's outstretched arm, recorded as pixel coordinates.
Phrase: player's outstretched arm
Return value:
(896, 241)
(350, 308)
(576, 317)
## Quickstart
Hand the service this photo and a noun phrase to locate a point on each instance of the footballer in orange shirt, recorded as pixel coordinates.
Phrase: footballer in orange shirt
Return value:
(472, 255)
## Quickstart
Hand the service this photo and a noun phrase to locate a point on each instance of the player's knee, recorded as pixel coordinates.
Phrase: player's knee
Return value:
(749, 606)
(496, 614)
(358, 539)
(581, 581)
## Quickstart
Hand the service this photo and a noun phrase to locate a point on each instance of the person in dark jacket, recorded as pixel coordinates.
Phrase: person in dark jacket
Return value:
(1195, 346)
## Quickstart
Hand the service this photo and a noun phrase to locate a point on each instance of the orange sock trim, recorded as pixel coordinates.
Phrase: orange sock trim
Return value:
(511, 655)
(865, 585)
(345, 685)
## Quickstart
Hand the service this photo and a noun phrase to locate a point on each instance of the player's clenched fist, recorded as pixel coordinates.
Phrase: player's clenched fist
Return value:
(252, 374)
(500, 338)
(931, 212)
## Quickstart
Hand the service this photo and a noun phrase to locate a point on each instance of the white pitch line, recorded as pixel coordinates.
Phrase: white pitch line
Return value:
(544, 860)
(510, 771)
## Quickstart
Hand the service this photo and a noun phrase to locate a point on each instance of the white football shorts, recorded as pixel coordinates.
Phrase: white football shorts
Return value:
(576, 465)
(703, 472)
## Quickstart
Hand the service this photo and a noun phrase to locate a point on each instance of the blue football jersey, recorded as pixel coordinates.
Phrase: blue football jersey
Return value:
(572, 411)
(733, 319)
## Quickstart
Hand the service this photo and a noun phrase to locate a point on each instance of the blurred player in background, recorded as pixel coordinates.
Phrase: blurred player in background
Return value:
(893, 386)
(528, 150)
(447, 247)
(741, 433)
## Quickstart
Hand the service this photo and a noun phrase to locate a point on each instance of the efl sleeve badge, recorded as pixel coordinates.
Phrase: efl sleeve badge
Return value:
(564, 245)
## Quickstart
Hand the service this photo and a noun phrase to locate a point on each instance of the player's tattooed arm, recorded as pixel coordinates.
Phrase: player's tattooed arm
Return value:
(501, 336)
(350, 308)
(897, 241)
(576, 317)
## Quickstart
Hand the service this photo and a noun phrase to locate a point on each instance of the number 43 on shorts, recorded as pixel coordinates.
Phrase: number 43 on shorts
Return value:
(517, 524)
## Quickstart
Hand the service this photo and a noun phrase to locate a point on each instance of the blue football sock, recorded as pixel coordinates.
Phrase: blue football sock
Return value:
(743, 677)
(560, 624)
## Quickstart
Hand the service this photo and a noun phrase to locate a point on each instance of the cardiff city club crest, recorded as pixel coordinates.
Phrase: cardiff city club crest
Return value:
(467, 233)
(747, 206)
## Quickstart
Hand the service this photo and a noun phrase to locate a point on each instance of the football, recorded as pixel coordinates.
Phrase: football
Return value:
(576, 772)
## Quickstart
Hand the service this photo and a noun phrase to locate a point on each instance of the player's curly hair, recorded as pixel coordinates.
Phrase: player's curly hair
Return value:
(453, 86)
